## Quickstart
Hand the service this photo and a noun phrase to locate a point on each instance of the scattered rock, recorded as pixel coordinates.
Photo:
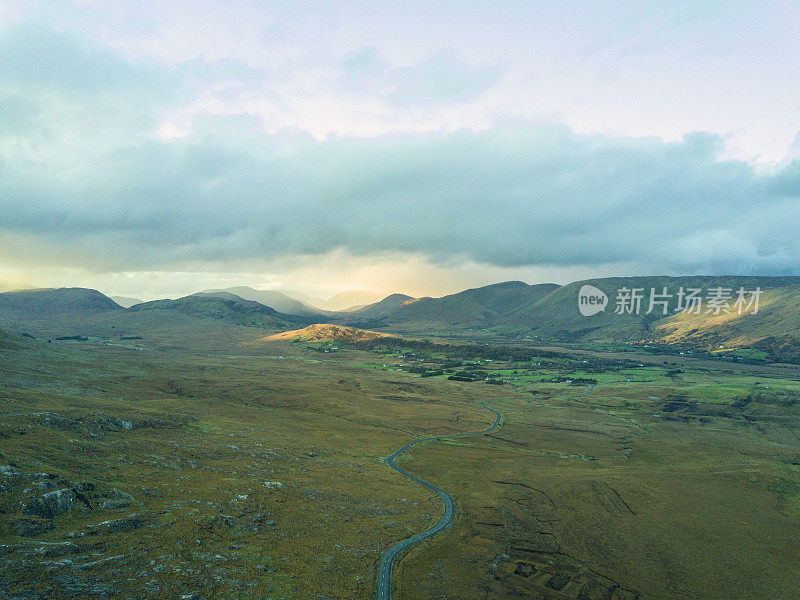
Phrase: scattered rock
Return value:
(128, 523)
(117, 500)
(31, 527)
(260, 521)
(498, 562)
(115, 504)
(57, 549)
(45, 484)
(229, 520)
(8, 471)
(79, 588)
(52, 504)
(114, 424)
(102, 561)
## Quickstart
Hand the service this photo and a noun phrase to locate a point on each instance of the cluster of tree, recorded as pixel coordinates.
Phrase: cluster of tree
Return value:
(462, 352)
(492, 380)
(424, 371)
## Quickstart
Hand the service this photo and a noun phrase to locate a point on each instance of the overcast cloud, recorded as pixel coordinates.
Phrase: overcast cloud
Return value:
(120, 162)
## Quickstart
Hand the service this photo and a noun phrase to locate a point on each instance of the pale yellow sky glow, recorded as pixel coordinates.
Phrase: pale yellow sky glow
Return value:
(320, 277)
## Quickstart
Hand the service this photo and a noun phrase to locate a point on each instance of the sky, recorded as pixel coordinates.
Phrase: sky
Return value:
(153, 149)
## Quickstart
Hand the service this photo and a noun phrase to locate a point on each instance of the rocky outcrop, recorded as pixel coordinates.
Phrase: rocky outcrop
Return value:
(52, 504)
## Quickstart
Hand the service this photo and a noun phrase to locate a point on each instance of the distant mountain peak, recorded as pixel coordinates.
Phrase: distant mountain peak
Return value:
(278, 300)
(126, 301)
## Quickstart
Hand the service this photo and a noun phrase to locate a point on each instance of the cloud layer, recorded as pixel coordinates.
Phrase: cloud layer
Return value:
(88, 176)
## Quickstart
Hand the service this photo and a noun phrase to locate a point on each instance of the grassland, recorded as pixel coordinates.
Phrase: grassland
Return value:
(206, 462)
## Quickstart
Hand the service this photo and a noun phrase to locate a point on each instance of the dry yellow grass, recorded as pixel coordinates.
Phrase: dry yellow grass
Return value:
(322, 332)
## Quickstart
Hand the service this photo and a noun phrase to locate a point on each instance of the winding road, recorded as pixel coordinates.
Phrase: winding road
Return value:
(389, 557)
(392, 554)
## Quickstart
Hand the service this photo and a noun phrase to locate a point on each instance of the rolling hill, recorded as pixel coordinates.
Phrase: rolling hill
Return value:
(57, 311)
(221, 306)
(56, 301)
(86, 312)
(471, 309)
(544, 313)
(382, 308)
(327, 332)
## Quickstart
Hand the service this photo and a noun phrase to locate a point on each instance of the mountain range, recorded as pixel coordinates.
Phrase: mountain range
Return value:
(541, 313)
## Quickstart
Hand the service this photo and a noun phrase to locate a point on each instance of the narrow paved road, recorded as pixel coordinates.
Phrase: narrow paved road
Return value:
(389, 557)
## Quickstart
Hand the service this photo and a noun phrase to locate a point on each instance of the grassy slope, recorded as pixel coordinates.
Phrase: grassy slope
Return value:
(380, 309)
(10, 341)
(326, 332)
(549, 312)
(224, 307)
(671, 486)
(212, 421)
(778, 318)
(556, 315)
(474, 308)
